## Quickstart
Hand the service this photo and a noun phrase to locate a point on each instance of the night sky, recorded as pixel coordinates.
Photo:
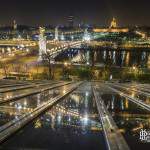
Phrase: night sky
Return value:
(100, 12)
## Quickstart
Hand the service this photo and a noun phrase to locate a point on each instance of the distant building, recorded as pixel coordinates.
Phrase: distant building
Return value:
(113, 23)
(70, 21)
(112, 28)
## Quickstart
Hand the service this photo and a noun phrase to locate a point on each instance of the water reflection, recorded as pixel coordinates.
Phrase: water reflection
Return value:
(10, 94)
(114, 57)
(71, 124)
(139, 96)
(116, 103)
(7, 114)
(129, 117)
(10, 110)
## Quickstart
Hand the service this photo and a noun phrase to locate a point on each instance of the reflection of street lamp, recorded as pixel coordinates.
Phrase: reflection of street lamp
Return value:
(135, 71)
(72, 38)
(64, 91)
(111, 77)
(27, 50)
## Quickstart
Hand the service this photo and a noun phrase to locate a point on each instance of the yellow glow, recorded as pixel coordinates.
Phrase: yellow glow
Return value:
(111, 30)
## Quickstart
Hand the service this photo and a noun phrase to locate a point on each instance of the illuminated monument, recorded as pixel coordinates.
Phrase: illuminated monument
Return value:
(42, 43)
(14, 25)
(56, 33)
(112, 28)
(113, 23)
(14, 31)
(62, 37)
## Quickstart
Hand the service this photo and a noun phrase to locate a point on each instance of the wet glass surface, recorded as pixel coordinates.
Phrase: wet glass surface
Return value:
(71, 124)
(130, 118)
(4, 86)
(11, 110)
(139, 96)
(143, 88)
(23, 91)
(8, 114)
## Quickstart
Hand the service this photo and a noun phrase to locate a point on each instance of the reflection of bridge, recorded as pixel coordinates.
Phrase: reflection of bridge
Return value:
(14, 110)
(63, 110)
(58, 108)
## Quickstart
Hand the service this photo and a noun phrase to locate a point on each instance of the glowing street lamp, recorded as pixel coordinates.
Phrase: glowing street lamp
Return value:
(62, 37)
(134, 67)
(72, 38)
(65, 64)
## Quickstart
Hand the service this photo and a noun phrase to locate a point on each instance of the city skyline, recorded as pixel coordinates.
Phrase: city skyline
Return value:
(99, 12)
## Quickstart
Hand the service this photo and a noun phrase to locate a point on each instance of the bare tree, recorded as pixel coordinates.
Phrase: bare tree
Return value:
(47, 59)
(5, 68)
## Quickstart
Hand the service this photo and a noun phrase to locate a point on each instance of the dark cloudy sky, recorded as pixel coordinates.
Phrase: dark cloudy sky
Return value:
(40, 12)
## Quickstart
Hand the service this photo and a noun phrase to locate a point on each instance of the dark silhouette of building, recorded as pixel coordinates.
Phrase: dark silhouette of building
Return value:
(70, 21)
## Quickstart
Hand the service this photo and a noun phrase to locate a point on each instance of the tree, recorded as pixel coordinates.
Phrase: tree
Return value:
(5, 68)
(47, 59)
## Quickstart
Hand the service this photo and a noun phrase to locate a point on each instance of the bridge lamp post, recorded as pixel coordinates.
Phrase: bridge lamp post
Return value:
(134, 68)
(62, 37)
(72, 38)
(65, 64)
(65, 70)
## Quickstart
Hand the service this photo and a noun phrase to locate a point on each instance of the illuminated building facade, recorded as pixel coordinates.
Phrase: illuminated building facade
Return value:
(112, 28)
(113, 23)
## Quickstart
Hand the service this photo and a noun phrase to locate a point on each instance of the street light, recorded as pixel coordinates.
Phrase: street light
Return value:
(134, 68)
(65, 64)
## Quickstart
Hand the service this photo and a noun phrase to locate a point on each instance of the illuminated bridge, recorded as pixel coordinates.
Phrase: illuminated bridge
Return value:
(64, 46)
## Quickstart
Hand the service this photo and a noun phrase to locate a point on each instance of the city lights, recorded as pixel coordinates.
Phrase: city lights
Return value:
(75, 75)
